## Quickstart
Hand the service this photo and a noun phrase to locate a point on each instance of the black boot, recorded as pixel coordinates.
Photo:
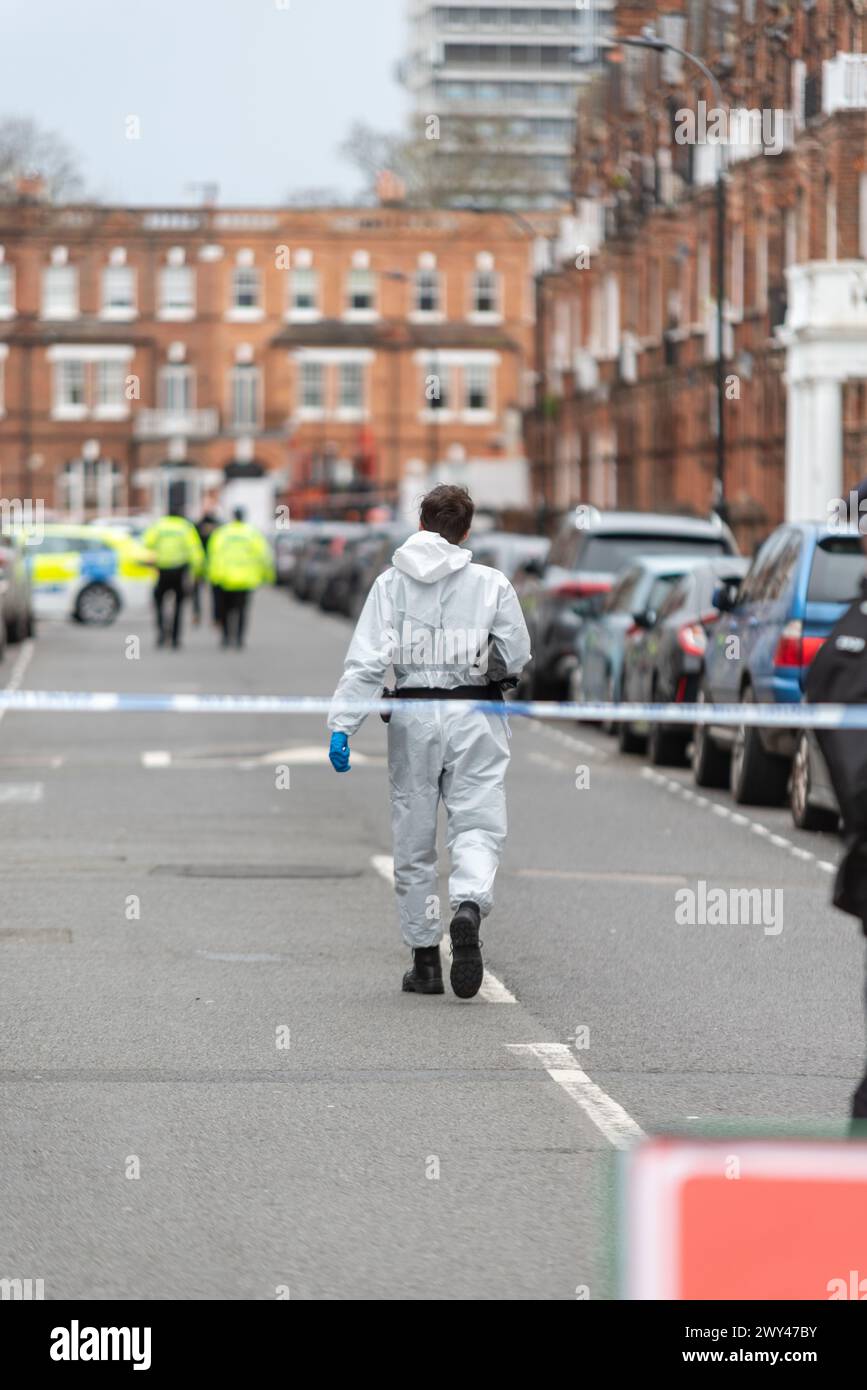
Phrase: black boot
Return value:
(468, 969)
(426, 976)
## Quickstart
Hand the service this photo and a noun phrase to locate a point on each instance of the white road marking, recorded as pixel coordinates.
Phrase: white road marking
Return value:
(561, 1065)
(156, 758)
(29, 792)
(16, 675)
(676, 788)
(600, 876)
(570, 741)
(493, 991)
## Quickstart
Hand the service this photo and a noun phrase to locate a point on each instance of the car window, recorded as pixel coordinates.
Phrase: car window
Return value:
(782, 569)
(837, 570)
(757, 575)
(564, 551)
(55, 545)
(624, 591)
(678, 597)
(660, 590)
(607, 553)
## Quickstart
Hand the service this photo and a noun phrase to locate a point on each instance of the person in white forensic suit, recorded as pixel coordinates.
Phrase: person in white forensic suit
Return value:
(452, 631)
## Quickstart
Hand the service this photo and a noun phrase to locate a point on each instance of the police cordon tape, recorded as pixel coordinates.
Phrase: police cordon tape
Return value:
(789, 716)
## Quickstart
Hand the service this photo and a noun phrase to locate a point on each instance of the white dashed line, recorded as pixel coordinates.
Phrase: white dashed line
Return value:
(609, 1118)
(676, 788)
(16, 675)
(156, 758)
(493, 991)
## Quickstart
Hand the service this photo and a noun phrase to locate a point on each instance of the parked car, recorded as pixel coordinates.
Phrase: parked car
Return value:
(346, 573)
(287, 546)
(16, 598)
(589, 550)
(375, 562)
(324, 544)
(771, 625)
(508, 551)
(87, 573)
(664, 650)
(812, 799)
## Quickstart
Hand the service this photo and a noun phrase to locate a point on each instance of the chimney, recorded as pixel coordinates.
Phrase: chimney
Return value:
(31, 188)
(390, 190)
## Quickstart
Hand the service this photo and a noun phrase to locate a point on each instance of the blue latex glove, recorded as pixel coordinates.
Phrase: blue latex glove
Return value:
(338, 753)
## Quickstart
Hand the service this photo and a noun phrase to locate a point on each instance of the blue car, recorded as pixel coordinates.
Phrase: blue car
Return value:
(771, 626)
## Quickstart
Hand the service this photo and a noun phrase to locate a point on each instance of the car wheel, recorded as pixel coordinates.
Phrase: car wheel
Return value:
(710, 763)
(666, 747)
(628, 741)
(805, 815)
(97, 606)
(608, 725)
(758, 778)
(542, 687)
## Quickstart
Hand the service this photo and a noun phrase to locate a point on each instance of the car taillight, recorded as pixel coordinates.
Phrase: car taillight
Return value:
(581, 588)
(692, 639)
(794, 649)
(810, 649)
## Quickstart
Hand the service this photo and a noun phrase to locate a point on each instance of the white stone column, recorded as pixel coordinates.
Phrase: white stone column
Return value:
(814, 448)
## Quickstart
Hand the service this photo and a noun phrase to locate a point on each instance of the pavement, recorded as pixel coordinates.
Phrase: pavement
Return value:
(211, 1086)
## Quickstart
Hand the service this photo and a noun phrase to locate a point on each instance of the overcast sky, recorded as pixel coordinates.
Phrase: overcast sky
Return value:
(253, 94)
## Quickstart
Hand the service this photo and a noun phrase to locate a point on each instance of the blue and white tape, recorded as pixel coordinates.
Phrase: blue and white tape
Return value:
(788, 716)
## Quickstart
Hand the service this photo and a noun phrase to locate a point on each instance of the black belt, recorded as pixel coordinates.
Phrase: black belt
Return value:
(493, 691)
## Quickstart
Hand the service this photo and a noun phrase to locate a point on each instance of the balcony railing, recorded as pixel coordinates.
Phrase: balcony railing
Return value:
(165, 424)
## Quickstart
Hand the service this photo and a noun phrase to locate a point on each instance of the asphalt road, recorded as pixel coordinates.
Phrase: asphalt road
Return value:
(211, 1084)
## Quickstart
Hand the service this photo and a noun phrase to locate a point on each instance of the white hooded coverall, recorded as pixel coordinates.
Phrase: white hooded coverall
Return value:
(441, 621)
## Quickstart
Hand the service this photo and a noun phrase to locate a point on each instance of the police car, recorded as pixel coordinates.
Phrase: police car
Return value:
(89, 573)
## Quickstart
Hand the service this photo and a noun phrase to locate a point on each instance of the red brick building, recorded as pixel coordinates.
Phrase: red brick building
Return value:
(626, 405)
(339, 351)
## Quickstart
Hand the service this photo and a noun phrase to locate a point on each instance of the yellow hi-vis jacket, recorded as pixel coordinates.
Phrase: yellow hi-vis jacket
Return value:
(174, 542)
(239, 557)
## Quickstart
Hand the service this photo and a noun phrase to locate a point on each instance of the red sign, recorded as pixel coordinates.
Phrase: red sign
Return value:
(746, 1219)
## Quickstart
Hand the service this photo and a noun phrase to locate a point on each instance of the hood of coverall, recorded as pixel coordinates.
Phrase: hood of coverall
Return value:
(427, 557)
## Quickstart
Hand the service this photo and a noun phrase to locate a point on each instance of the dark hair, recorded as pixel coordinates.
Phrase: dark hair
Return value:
(448, 510)
(238, 513)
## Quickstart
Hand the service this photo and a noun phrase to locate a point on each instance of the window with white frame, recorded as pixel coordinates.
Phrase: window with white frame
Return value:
(486, 292)
(361, 290)
(109, 381)
(477, 386)
(246, 288)
(118, 292)
(245, 396)
(427, 291)
(177, 389)
(351, 386)
(7, 290)
(60, 292)
(70, 387)
(311, 385)
(304, 291)
(177, 291)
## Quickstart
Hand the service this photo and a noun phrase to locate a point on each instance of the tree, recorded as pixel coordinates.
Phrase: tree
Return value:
(445, 166)
(27, 151)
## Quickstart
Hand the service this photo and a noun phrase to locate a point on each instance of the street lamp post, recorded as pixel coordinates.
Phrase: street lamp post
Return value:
(651, 40)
